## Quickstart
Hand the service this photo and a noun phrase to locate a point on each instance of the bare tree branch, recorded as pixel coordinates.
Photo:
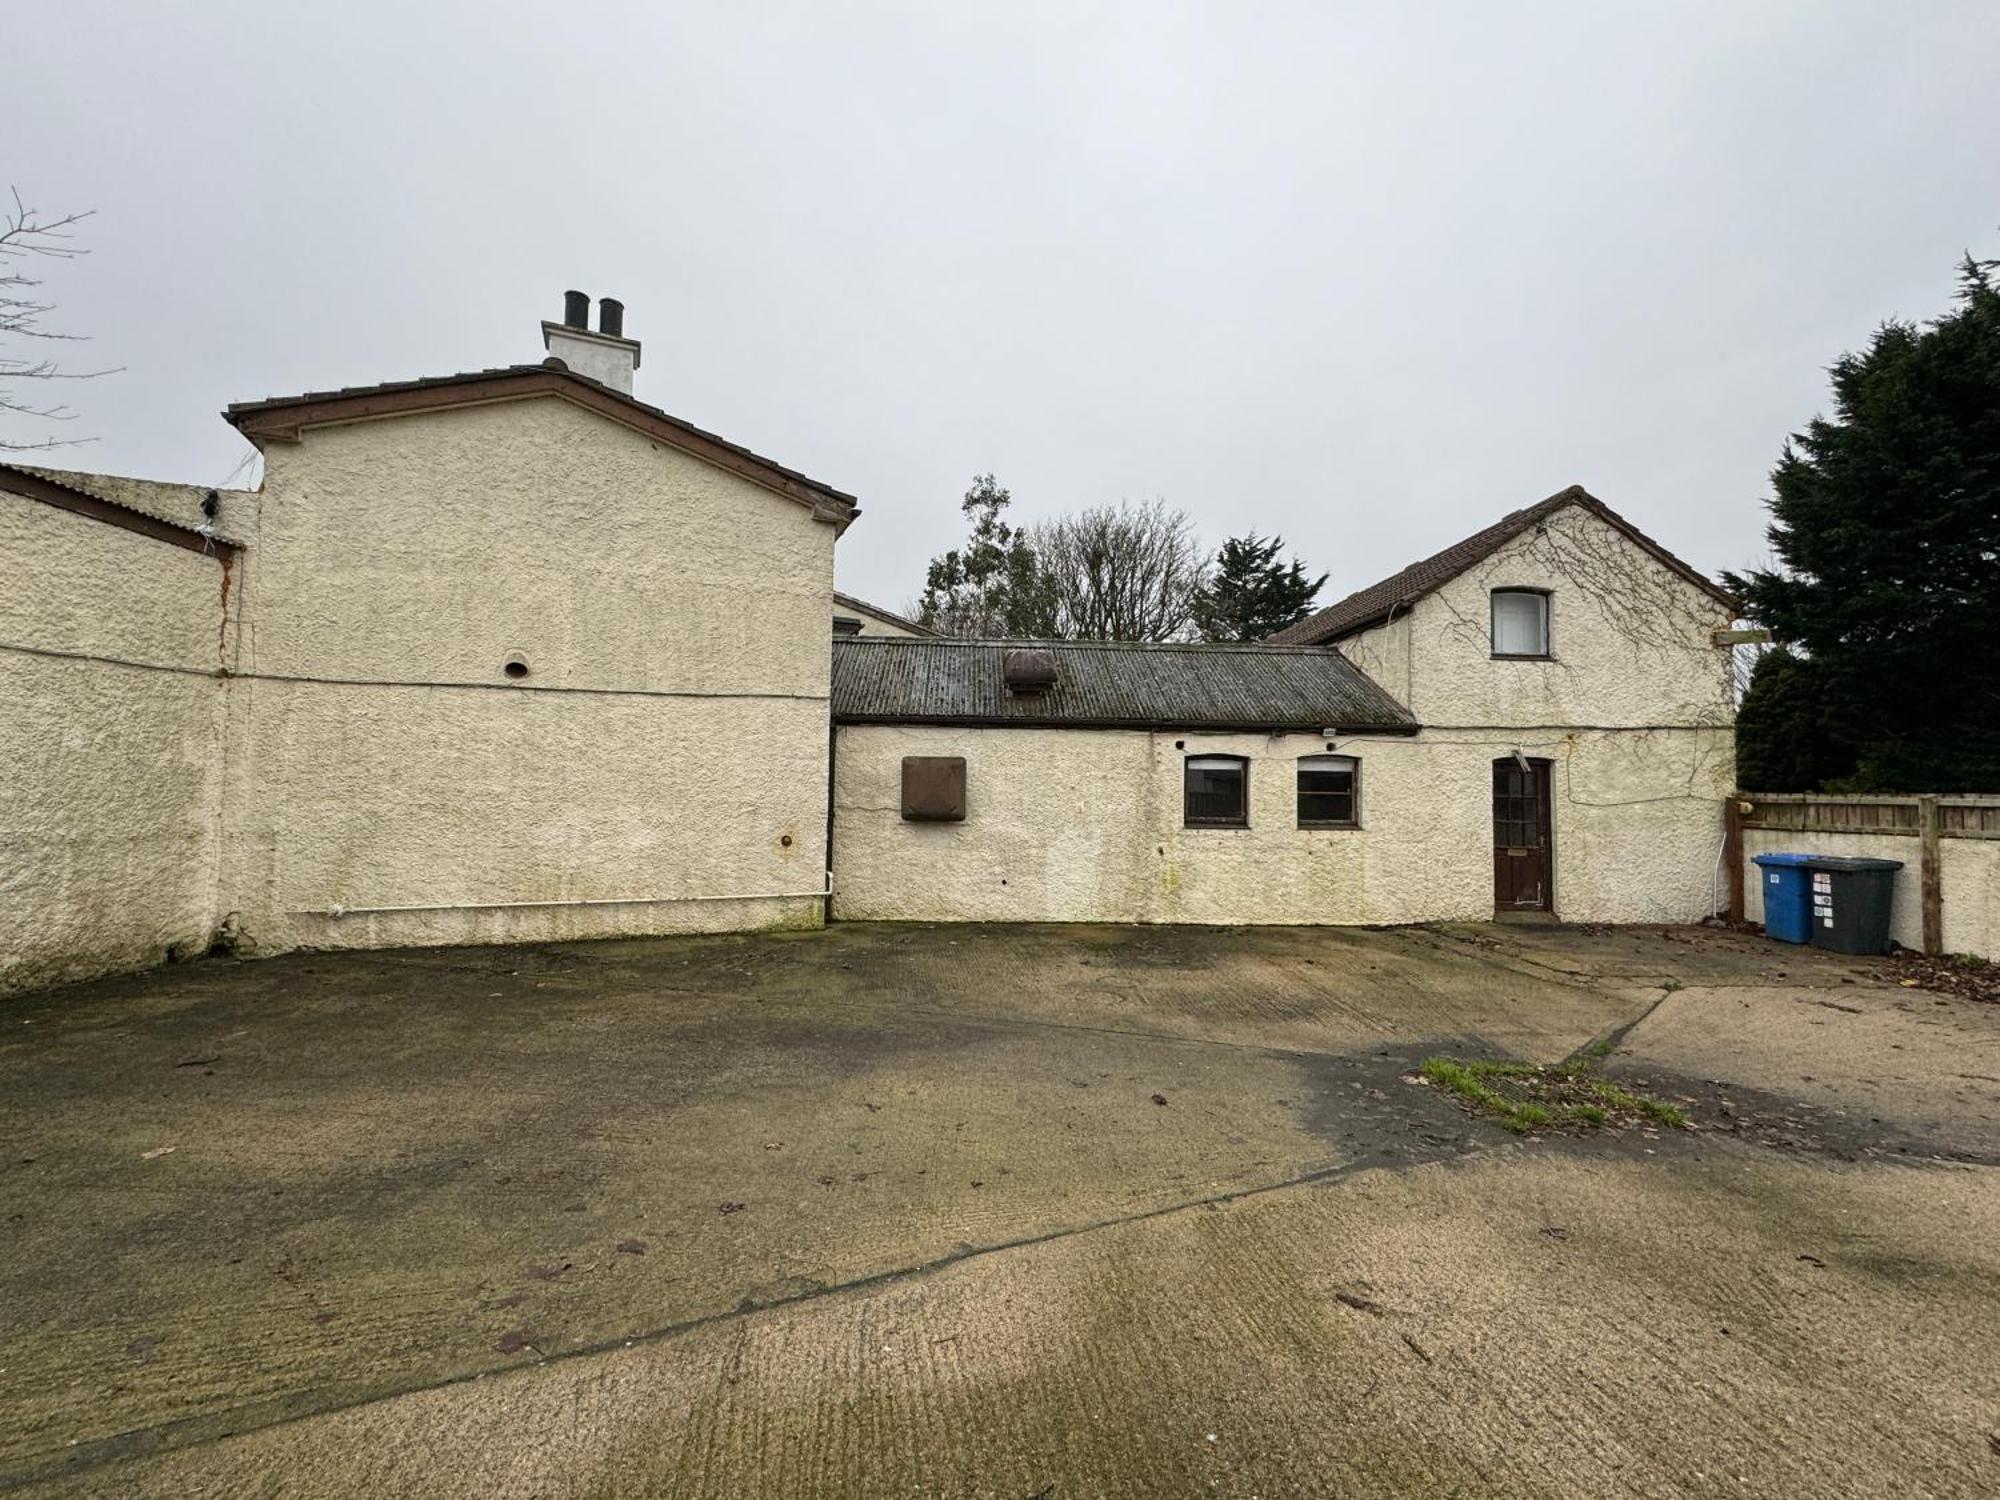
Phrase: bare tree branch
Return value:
(27, 235)
(1122, 573)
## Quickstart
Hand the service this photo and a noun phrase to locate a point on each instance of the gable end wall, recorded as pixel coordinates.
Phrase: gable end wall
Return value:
(661, 768)
(1630, 639)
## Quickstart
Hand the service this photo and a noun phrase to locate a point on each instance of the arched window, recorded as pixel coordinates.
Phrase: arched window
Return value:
(1520, 622)
(1217, 791)
(1329, 791)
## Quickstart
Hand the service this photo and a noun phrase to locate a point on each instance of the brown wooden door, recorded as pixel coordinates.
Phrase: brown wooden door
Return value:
(1523, 869)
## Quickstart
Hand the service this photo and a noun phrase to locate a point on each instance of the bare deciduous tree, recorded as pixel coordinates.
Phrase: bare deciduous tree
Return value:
(26, 235)
(1121, 573)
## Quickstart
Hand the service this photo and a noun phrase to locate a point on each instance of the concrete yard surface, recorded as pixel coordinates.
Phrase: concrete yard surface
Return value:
(998, 1211)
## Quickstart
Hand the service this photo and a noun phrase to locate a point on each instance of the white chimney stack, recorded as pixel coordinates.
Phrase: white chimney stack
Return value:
(606, 355)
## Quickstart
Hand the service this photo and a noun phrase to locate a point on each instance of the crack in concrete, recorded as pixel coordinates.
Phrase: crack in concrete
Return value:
(1004, 1023)
(1607, 1042)
(198, 1431)
(282, 1411)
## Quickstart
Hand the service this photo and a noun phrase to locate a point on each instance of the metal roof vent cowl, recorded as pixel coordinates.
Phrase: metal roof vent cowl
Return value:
(1028, 671)
(602, 354)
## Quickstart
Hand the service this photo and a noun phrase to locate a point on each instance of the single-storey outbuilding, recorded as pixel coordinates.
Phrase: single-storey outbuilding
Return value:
(1561, 744)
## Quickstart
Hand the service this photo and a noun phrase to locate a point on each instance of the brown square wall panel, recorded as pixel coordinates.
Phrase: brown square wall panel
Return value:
(934, 788)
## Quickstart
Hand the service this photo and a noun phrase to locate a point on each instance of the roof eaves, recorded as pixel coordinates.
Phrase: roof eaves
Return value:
(880, 613)
(1158, 723)
(284, 418)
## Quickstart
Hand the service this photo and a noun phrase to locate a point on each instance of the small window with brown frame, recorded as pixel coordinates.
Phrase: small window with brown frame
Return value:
(1217, 791)
(1329, 791)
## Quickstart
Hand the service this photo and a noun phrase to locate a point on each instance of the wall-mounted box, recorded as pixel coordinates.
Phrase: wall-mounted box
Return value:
(934, 788)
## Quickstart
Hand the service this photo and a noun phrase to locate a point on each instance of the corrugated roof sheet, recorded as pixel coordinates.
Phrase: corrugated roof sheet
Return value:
(1366, 606)
(176, 504)
(908, 680)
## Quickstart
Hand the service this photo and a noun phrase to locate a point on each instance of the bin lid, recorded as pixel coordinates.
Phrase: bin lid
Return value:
(1832, 863)
(1783, 859)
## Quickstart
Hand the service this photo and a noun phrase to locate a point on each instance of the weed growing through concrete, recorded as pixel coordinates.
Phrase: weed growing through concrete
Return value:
(1631, 1103)
(1535, 1097)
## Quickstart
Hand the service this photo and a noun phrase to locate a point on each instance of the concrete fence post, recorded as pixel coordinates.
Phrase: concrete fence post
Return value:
(1931, 863)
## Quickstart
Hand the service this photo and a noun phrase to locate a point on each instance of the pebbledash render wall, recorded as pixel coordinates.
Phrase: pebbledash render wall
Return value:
(315, 741)
(1630, 640)
(111, 740)
(660, 768)
(1633, 712)
(1969, 870)
(1635, 707)
(1086, 825)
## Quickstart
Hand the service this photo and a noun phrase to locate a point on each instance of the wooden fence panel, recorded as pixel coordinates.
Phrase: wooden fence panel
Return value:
(1969, 817)
(1801, 813)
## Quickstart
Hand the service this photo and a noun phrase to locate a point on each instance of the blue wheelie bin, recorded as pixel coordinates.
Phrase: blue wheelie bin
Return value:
(1787, 886)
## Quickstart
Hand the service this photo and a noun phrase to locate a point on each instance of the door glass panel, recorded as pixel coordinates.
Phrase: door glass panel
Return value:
(1516, 814)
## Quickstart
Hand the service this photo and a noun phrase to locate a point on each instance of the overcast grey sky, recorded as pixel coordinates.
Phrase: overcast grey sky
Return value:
(1369, 275)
